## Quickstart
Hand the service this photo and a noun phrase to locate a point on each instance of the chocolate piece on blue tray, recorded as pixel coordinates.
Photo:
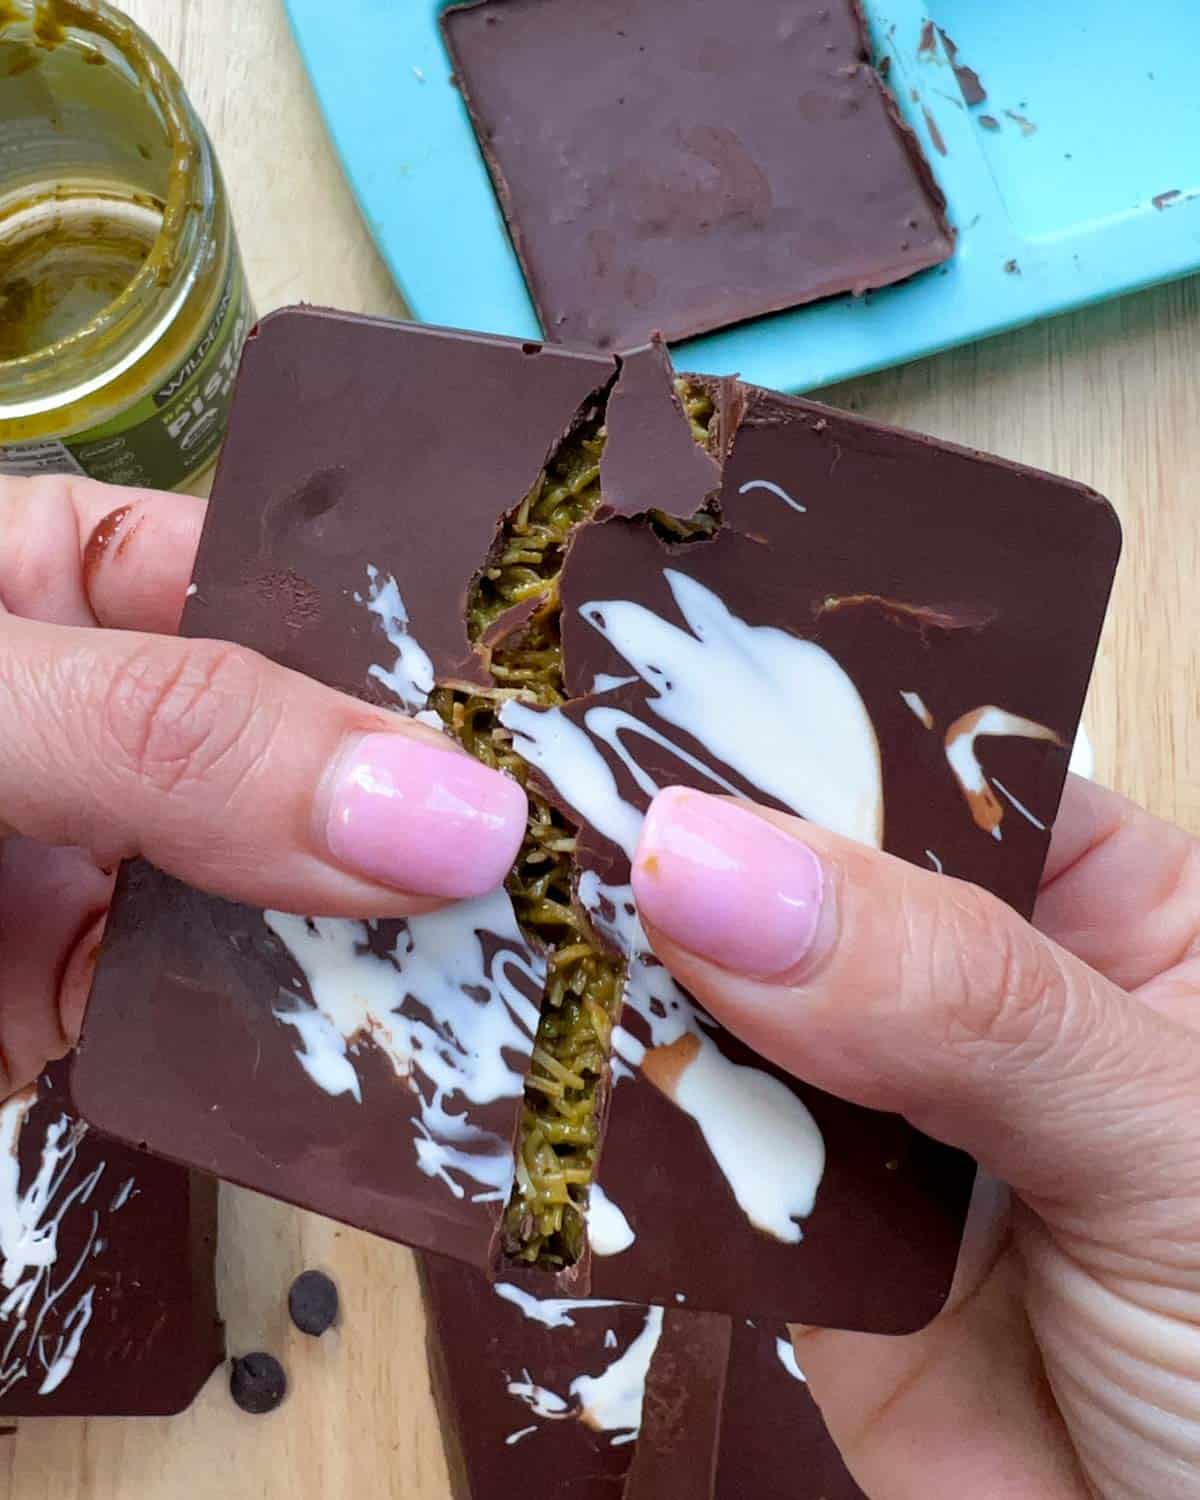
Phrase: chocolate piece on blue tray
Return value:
(667, 169)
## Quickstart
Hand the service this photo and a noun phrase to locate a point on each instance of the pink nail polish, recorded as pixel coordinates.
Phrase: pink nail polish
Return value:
(727, 885)
(422, 819)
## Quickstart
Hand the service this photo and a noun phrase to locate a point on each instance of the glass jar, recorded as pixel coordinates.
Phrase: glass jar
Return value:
(123, 304)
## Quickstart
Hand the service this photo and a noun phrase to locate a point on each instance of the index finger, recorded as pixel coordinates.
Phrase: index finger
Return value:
(77, 552)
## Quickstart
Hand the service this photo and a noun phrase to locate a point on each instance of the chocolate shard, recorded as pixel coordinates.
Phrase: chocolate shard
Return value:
(462, 422)
(774, 1444)
(745, 119)
(714, 1408)
(651, 459)
(108, 1260)
(677, 1446)
(536, 1397)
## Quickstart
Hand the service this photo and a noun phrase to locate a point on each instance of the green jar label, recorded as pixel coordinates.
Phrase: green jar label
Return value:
(172, 432)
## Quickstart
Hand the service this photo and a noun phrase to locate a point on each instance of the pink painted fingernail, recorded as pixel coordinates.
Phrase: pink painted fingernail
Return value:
(727, 885)
(421, 819)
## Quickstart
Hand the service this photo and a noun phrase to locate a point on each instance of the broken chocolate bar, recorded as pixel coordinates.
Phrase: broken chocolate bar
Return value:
(597, 1400)
(851, 623)
(109, 1304)
(675, 170)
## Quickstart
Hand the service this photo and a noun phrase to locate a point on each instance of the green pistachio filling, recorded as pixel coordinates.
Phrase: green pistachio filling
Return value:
(558, 1133)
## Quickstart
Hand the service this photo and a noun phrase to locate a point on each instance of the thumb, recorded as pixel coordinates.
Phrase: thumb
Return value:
(241, 777)
(924, 996)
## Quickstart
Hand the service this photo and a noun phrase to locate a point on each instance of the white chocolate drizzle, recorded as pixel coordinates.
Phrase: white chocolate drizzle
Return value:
(444, 1006)
(410, 677)
(919, 707)
(986, 808)
(610, 1402)
(34, 1282)
(787, 1358)
(772, 489)
(609, 1231)
(550, 1312)
(791, 721)
(764, 1141)
(450, 1017)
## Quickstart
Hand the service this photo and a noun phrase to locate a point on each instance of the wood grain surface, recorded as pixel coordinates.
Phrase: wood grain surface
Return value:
(1110, 396)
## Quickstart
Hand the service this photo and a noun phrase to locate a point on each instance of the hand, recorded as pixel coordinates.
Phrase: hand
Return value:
(1067, 1061)
(222, 768)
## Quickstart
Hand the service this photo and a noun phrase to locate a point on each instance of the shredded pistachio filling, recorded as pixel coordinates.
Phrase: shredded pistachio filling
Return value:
(558, 1132)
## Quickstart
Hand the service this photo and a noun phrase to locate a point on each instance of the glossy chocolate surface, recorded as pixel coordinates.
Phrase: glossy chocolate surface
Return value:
(108, 1254)
(722, 1407)
(673, 169)
(880, 636)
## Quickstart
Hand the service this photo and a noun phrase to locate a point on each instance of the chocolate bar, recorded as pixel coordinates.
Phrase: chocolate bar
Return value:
(855, 624)
(597, 1400)
(676, 169)
(106, 1256)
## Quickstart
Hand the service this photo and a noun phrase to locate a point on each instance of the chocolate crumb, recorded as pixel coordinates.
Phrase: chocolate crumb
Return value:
(1164, 200)
(1012, 267)
(257, 1383)
(313, 1303)
(989, 122)
(935, 135)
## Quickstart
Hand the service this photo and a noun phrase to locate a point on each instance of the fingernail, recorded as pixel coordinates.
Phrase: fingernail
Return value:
(727, 885)
(422, 819)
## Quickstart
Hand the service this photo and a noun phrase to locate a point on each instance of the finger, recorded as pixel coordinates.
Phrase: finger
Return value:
(1121, 890)
(924, 996)
(48, 899)
(76, 552)
(961, 1408)
(76, 984)
(241, 777)
(137, 562)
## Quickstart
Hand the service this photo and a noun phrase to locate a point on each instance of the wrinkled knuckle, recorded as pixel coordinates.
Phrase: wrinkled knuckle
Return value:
(997, 985)
(173, 717)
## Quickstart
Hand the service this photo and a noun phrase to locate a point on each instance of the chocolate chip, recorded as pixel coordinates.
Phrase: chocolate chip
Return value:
(313, 1302)
(257, 1383)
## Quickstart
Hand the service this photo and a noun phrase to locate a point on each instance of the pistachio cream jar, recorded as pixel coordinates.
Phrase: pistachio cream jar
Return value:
(123, 305)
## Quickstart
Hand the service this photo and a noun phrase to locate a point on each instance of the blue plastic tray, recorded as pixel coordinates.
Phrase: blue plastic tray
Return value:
(1089, 187)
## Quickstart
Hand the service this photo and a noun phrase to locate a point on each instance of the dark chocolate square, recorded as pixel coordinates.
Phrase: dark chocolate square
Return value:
(674, 168)
(109, 1304)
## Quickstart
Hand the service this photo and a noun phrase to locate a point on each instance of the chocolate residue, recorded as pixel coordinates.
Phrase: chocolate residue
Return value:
(102, 537)
(928, 37)
(969, 81)
(989, 122)
(293, 597)
(935, 135)
(1027, 126)
(919, 617)
(1165, 200)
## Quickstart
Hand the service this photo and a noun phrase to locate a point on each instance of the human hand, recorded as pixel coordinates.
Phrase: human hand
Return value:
(221, 767)
(1067, 1362)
